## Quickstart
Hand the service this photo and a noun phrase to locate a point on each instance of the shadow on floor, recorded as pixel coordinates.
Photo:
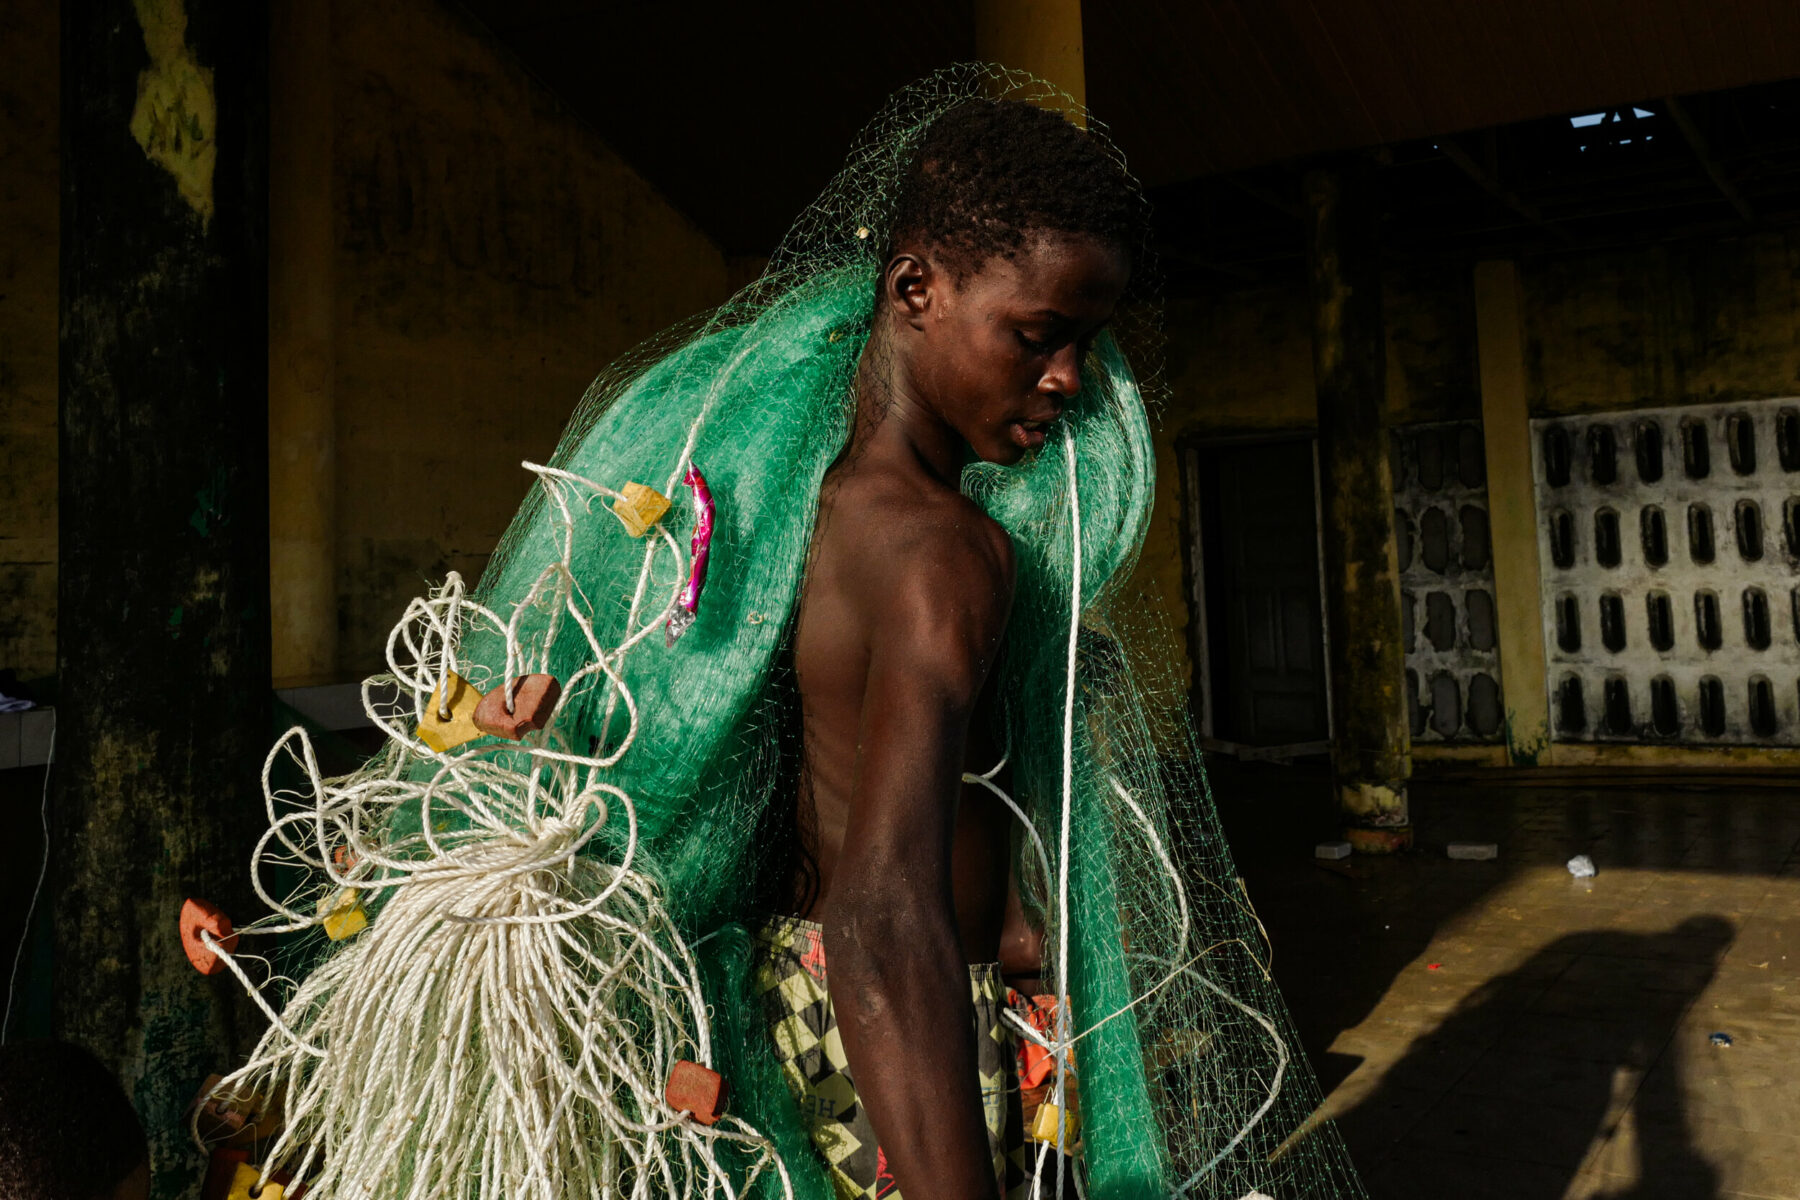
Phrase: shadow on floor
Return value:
(1340, 931)
(1559, 1049)
(1509, 1094)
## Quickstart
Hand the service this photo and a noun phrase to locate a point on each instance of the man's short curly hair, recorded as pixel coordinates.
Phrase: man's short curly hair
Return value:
(988, 174)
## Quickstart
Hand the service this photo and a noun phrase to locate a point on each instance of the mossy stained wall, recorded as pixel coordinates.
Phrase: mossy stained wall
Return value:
(492, 255)
(1702, 321)
(28, 221)
(1242, 363)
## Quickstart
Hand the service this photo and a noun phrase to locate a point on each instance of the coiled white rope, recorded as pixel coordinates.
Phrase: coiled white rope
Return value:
(505, 1025)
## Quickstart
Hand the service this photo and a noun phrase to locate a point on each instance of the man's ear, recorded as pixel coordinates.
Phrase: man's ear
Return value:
(907, 287)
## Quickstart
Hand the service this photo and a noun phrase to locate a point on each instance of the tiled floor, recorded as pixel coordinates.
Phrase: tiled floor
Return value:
(1501, 1029)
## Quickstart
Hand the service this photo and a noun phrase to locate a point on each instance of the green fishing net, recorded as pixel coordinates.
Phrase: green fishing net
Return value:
(533, 933)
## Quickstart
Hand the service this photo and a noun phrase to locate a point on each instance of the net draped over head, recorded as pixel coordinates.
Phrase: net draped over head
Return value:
(567, 916)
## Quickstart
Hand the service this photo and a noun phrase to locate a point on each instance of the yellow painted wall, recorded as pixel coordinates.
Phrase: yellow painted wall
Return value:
(493, 256)
(1693, 322)
(1242, 364)
(1687, 323)
(28, 219)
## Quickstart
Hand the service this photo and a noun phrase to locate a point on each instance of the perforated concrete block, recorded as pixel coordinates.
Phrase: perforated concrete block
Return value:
(1669, 542)
(1445, 554)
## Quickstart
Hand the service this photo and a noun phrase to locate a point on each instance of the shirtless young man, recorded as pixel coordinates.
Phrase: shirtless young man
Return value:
(1009, 254)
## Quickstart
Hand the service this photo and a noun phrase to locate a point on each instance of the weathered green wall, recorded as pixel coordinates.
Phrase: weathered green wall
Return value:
(28, 218)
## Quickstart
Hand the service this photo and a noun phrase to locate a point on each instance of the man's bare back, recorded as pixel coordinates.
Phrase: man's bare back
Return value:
(905, 603)
(892, 556)
(901, 619)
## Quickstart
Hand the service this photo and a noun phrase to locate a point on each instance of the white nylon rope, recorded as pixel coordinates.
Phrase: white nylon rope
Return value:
(1061, 1044)
(553, 943)
(512, 1013)
(1063, 1062)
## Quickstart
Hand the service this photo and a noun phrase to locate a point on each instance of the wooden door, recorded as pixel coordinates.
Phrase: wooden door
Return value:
(1262, 570)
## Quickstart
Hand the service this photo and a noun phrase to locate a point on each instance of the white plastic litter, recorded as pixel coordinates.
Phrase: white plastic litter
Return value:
(1329, 850)
(1581, 867)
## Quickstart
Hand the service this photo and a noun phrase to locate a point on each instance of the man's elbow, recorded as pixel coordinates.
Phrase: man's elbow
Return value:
(883, 938)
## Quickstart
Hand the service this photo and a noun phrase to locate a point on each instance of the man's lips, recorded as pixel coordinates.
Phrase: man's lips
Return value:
(1028, 435)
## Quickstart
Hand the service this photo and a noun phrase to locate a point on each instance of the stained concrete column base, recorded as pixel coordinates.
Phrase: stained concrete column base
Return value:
(1376, 815)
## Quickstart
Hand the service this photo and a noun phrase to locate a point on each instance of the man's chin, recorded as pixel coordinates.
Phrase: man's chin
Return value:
(1003, 454)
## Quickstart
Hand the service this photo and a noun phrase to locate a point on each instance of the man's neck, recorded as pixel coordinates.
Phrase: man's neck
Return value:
(895, 428)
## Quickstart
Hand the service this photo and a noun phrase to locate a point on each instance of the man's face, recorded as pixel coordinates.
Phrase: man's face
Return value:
(999, 351)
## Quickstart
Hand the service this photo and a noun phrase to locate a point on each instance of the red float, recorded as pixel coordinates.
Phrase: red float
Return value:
(198, 915)
(534, 699)
(698, 1090)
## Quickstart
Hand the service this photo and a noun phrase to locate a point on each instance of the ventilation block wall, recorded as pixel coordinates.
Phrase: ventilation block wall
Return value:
(1447, 583)
(1670, 548)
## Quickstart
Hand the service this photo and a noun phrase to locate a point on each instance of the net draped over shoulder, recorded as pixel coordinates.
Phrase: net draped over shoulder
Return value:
(553, 922)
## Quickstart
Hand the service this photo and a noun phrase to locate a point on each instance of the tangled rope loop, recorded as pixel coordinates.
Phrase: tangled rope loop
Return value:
(505, 1024)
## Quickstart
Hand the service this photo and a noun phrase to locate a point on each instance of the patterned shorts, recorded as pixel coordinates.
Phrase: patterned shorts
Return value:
(790, 976)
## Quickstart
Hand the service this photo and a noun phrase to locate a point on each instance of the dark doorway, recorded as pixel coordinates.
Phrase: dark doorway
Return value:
(1259, 631)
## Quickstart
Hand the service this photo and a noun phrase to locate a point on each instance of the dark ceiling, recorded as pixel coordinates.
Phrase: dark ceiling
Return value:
(1195, 87)
(739, 112)
(1658, 170)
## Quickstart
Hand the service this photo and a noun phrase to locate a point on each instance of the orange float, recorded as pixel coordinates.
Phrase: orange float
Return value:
(198, 916)
(534, 698)
(697, 1090)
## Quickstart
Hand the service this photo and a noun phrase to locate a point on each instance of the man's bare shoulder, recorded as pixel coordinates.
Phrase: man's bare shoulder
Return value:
(924, 555)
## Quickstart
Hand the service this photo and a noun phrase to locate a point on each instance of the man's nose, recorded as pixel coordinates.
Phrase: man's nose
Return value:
(1063, 378)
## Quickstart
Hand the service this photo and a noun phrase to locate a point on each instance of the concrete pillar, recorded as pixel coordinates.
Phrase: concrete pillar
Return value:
(163, 552)
(1371, 746)
(1040, 36)
(1512, 511)
(302, 402)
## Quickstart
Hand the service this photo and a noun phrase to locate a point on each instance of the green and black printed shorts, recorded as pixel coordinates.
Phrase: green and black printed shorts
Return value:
(790, 975)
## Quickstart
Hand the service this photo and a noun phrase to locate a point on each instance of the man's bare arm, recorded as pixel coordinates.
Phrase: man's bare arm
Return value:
(898, 975)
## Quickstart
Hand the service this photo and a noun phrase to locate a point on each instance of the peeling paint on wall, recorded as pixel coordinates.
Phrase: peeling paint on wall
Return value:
(1377, 804)
(1524, 752)
(175, 119)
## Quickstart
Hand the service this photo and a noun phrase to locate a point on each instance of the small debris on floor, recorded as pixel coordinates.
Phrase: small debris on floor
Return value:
(1581, 867)
(1474, 851)
(1434, 966)
(1720, 1039)
(1332, 850)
